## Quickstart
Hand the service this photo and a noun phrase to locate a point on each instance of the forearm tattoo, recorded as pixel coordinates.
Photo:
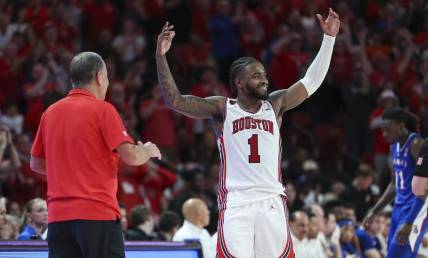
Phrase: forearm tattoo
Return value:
(190, 105)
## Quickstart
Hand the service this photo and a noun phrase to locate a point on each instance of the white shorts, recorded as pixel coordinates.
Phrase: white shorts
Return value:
(255, 230)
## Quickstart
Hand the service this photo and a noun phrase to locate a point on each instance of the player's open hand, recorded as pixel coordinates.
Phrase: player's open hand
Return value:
(403, 233)
(165, 39)
(331, 25)
(152, 150)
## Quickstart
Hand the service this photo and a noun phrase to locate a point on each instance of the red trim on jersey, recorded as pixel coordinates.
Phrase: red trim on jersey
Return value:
(279, 161)
(222, 191)
(220, 176)
(222, 201)
(222, 251)
(224, 119)
(288, 250)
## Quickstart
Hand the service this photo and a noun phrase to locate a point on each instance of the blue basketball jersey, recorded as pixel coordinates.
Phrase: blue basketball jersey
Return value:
(404, 168)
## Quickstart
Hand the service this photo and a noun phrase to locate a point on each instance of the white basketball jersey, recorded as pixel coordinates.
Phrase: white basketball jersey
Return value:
(250, 153)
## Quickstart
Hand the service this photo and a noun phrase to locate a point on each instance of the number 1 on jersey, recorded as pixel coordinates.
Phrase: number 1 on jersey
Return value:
(254, 156)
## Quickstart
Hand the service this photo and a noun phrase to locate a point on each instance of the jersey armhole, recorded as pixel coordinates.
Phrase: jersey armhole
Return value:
(276, 116)
(215, 120)
(225, 109)
(273, 108)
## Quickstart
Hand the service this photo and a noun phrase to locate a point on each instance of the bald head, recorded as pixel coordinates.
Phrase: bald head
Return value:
(299, 224)
(196, 211)
(84, 68)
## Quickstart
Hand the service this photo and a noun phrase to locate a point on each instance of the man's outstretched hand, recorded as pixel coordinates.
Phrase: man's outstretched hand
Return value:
(331, 25)
(165, 39)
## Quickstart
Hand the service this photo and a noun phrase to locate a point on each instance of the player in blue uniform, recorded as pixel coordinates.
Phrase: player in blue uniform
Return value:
(400, 130)
(420, 190)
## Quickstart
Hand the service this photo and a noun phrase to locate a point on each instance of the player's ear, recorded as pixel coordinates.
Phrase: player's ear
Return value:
(238, 83)
(98, 78)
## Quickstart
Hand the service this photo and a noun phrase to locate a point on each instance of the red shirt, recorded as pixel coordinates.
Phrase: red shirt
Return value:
(162, 117)
(284, 71)
(25, 185)
(95, 15)
(380, 145)
(35, 105)
(77, 137)
(142, 185)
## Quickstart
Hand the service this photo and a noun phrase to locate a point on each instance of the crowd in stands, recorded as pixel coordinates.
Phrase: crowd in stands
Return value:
(334, 158)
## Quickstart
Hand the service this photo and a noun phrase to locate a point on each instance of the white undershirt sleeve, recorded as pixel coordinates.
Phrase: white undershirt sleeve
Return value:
(319, 67)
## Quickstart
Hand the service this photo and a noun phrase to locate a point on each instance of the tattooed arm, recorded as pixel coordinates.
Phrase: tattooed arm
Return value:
(188, 105)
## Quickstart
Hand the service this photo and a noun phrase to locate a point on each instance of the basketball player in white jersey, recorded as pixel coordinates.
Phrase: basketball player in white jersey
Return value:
(253, 213)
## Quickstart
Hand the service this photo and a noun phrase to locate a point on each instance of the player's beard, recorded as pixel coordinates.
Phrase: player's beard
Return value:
(253, 92)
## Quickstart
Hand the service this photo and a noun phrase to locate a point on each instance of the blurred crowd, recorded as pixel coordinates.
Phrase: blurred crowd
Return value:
(334, 152)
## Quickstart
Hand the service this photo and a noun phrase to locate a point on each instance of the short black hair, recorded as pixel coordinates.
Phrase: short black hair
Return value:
(139, 215)
(237, 66)
(168, 220)
(84, 67)
(310, 213)
(348, 205)
(395, 114)
(410, 120)
(364, 170)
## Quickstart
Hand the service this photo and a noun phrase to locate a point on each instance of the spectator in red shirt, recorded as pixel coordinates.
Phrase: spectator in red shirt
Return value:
(37, 14)
(144, 185)
(155, 114)
(253, 36)
(208, 84)
(130, 43)
(9, 159)
(51, 39)
(9, 74)
(77, 146)
(201, 13)
(386, 100)
(23, 185)
(39, 92)
(94, 18)
(285, 66)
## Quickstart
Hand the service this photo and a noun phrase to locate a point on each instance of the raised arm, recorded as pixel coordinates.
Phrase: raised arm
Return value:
(286, 99)
(188, 105)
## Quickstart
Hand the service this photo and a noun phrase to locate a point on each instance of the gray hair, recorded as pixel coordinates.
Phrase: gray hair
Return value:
(84, 68)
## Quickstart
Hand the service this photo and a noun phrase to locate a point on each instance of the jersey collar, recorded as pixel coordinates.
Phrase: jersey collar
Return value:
(80, 91)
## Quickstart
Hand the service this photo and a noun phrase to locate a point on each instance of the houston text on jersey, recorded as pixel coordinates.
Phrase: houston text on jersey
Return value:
(245, 123)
